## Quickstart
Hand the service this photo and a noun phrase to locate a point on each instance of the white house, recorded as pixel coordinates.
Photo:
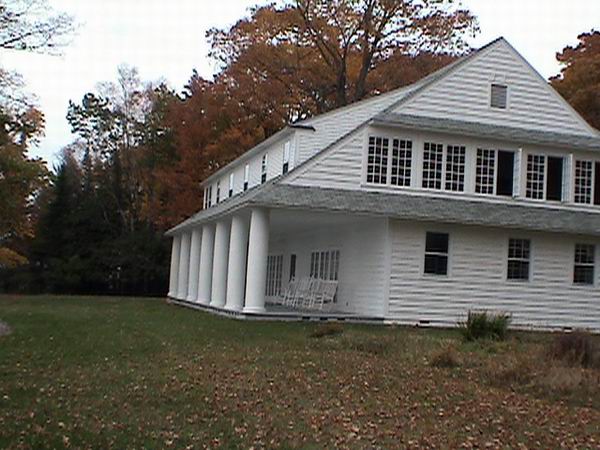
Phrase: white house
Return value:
(476, 188)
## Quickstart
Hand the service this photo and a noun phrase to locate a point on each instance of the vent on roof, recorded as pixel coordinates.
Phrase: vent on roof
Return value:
(499, 96)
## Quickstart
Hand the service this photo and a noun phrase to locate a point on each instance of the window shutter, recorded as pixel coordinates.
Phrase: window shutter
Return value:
(567, 188)
(517, 173)
(499, 97)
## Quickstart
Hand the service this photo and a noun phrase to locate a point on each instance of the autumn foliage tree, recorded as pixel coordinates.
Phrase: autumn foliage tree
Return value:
(579, 80)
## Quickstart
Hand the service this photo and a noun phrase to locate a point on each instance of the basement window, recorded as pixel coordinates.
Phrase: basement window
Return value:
(499, 96)
(377, 160)
(436, 253)
(519, 253)
(584, 264)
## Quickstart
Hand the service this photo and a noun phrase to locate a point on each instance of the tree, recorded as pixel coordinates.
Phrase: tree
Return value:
(340, 41)
(32, 25)
(579, 80)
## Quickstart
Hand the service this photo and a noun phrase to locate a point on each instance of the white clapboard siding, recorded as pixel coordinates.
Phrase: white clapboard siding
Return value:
(465, 93)
(362, 271)
(477, 279)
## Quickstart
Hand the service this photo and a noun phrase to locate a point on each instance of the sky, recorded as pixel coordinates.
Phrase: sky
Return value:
(166, 40)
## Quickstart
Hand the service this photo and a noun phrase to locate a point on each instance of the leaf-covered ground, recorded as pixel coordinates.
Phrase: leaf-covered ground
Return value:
(130, 373)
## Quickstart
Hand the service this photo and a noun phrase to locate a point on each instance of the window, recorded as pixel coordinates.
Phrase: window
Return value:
(584, 264)
(325, 265)
(506, 173)
(286, 158)
(519, 251)
(536, 169)
(231, 181)
(436, 253)
(263, 168)
(499, 96)
(597, 184)
(583, 181)
(485, 171)
(218, 191)
(401, 162)
(455, 168)
(209, 200)
(433, 157)
(246, 176)
(554, 179)
(292, 267)
(274, 271)
(377, 161)
(205, 198)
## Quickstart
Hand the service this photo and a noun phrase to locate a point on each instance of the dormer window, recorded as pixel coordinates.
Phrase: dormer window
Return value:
(263, 168)
(499, 96)
(286, 157)
(218, 191)
(231, 180)
(246, 176)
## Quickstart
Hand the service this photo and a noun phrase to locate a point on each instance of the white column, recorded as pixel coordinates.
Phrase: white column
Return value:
(236, 272)
(258, 251)
(174, 273)
(219, 279)
(194, 265)
(184, 266)
(206, 264)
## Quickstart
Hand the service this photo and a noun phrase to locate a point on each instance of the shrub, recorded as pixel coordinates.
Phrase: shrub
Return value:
(576, 349)
(483, 325)
(327, 329)
(446, 358)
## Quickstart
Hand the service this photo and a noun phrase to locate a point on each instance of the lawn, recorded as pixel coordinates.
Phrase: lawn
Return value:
(133, 373)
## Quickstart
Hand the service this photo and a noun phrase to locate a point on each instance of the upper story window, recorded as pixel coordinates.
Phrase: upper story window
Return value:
(286, 157)
(205, 198)
(433, 157)
(377, 160)
(401, 162)
(231, 184)
(499, 96)
(218, 191)
(519, 253)
(494, 172)
(544, 177)
(263, 168)
(246, 177)
(583, 272)
(584, 181)
(209, 199)
(455, 168)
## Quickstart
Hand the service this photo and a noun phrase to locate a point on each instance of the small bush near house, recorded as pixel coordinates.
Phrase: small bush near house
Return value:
(483, 325)
(445, 358)
(327, 329)
(576, 349)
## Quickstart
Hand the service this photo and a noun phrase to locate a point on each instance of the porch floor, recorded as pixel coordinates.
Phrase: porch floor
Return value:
(281, 313)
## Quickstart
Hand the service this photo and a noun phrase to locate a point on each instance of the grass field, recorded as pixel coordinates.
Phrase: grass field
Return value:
(132, 373)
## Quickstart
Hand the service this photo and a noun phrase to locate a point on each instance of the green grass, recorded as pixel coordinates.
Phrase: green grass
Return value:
(132, 373)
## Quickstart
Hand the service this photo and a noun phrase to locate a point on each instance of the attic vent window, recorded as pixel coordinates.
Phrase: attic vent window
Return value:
(499, 96)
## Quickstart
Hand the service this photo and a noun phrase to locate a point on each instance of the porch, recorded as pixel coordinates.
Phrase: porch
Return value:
(241, 264)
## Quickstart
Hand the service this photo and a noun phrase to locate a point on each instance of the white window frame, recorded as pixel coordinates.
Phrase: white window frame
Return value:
(443, 163)
(325, 259)
(286, 157)
(264, 168)
(464, 167)
(580, 264)
(425, 253)
(231, 183)
(410, 167)
(387, 161)
(494, 175)
(499, 83)
(274, 281)
(544, 181)
(592, 180)
(246, 177)
(528, 260)
(210, 196)
(218, 199)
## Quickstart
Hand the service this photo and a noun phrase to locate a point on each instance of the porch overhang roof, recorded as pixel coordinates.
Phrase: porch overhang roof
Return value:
(408, 206)
(479, 130)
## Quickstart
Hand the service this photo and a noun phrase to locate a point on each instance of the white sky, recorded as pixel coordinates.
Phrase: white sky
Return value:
(166, 40)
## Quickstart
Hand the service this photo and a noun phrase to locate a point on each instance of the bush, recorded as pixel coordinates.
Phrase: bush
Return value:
(328, 329)
(483, 325)
(445, 358)
(576, 349)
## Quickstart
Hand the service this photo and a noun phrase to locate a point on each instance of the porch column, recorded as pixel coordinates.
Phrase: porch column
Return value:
(194, 265)
(236, 272)
(258, 250)
(206, 264)
(184, 266)
(219, 278)
(174, 273)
